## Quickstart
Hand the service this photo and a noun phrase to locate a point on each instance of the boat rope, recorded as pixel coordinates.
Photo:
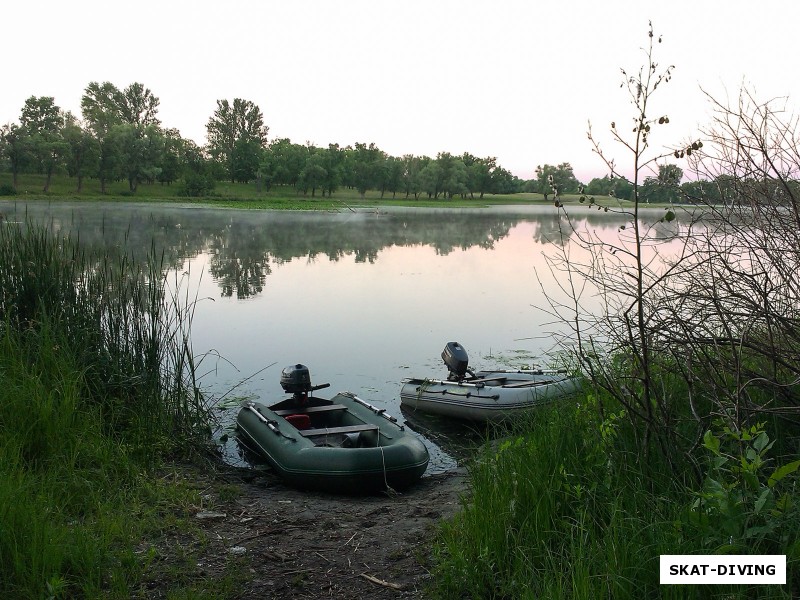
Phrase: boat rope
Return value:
(390, 491)
(467, 395)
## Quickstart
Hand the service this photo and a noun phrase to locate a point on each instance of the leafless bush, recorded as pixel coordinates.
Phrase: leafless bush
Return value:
(741, 306)
(712, 329)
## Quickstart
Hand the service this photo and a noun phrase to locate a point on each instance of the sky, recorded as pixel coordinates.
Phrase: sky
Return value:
(519, 80)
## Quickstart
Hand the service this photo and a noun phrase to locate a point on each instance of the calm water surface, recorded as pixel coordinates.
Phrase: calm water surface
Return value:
(364, 299)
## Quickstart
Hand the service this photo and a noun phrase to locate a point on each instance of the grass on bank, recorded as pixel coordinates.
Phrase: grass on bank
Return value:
(566, 509)
(95, 394)
(247, 195)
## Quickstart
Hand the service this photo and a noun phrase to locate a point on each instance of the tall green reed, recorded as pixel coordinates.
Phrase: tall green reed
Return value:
(127, 326)
(96, 386)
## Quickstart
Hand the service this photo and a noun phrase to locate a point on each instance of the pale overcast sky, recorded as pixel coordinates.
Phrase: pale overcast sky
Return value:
(515, 79)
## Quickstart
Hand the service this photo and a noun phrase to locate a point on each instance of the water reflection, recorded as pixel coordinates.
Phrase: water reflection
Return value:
(243, 245)
(363, 298)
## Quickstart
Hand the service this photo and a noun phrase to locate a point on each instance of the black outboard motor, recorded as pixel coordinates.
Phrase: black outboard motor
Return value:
(455, 357)
(296, 379)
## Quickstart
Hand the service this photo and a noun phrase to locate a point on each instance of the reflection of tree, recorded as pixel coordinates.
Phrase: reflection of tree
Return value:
(551, 228)
(242, 245)
(237, 260)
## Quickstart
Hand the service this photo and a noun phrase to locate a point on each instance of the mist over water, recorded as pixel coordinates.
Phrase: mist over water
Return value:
(364, 299)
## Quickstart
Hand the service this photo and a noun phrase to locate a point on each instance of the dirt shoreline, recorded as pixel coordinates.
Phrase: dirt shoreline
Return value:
(288, 543)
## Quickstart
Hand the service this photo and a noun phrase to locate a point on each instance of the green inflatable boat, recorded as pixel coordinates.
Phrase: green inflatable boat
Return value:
(343, 444)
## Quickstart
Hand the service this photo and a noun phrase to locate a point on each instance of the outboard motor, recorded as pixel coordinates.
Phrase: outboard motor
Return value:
(455, 358)
(296, 379)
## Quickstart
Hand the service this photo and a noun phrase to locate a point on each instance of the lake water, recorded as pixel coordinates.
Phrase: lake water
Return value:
(364, 298)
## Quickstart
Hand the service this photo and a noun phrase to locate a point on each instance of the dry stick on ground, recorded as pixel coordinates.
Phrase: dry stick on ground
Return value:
(376, 581)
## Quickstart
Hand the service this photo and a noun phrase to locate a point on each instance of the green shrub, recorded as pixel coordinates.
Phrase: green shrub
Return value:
(198, 184)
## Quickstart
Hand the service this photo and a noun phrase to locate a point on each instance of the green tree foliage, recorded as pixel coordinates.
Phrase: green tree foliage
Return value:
(103, 106)
(44, 121)
(665, 187)
(83, 152)
(313, 175)
(172, 157)
(232, 122)
(702, 192)
(333, 163)
(100, 107)
(455, 176)
(556, 180)
(412, 167)
(198, 174)
(16, 149)
(364, 164)
(126, 127)
(283, 161)
(138, 106)
(395, 168)
(140, 151)
(245, 159)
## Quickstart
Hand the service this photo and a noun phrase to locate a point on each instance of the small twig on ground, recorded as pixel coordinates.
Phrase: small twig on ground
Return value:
(381, 582)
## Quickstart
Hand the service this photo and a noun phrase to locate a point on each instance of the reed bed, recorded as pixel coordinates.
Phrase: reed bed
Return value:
(96, 388)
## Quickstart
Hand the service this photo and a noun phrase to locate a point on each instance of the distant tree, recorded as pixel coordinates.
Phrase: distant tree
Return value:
(334, 164)
(665, 187)
(381, 174)
(481, 171)
(104, 105)
(600, 186)
(394, 181)
(456, 178)
(41, 116)
(44, 122)
(198, 173)
(430, 178)
(140, 149)
(313, 174)
(241, 120)
(504, 182)
(412, 165)
(556, 180)
(245, 159)
(100, 107)
(366, 164)
(616, 187)
(127, 130)
(700, 192)
(282, 162)
(138, 106)
(83, 152)
(172, 158)
(15, 145)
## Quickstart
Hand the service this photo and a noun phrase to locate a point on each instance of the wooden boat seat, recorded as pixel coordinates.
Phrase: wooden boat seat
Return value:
(335, 430)
(309, 410)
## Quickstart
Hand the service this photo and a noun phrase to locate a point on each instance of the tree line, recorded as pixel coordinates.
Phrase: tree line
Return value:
(120, 137)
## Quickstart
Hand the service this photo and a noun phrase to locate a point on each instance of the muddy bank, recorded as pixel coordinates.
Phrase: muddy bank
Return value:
(287, 543)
